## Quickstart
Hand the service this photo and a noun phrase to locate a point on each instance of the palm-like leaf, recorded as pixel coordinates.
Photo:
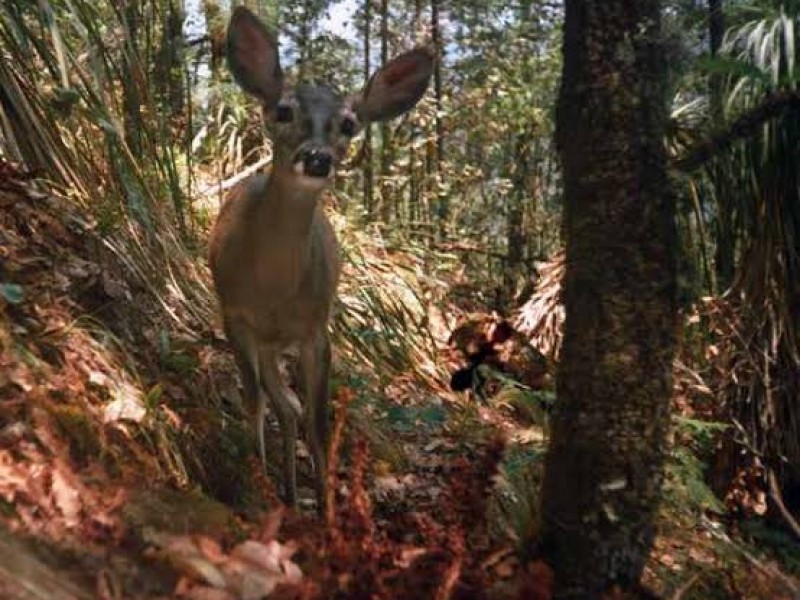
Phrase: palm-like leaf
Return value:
(754, 193)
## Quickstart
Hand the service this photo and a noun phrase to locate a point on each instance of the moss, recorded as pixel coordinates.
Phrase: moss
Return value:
(219, 449)
(176, 511)
(77, 428)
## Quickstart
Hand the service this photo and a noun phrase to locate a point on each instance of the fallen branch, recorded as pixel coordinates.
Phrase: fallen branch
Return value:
(225, 185)
(773, 106)
(787, 582)
(777, 498)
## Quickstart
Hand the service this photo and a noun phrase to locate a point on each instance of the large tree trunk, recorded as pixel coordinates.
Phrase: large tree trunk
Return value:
(604, 466)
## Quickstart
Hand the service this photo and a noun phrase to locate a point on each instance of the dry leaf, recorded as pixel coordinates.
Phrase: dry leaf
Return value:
(126, 405)
(67, 499)
(210, 549)
(266, 555)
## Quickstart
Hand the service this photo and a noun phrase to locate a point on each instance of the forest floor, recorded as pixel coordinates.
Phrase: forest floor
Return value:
(127, 471)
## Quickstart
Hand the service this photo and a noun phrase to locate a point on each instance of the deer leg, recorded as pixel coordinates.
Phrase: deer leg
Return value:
(315, 358)
(285, 411)
(255, 399)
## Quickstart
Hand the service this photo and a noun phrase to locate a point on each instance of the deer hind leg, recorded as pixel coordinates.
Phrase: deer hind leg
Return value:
(315, 360)
(286, 410)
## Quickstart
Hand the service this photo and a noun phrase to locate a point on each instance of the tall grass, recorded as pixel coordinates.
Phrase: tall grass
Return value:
(88, 102)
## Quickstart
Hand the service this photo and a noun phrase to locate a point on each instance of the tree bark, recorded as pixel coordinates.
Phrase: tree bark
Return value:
(725, 255)
(304, 42)
(386, 132)
(413, 176)
(443, 206)
(131, 96)
(604, 465)
(369, 201)
(515, 235)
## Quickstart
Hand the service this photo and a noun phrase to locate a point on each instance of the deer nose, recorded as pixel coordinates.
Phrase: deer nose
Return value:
(316, 163)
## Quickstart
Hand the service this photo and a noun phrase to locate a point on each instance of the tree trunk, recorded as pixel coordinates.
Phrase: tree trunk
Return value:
(515, 236)
(604, 465)
(386, 132)
(443, 206)
(131, 97)
(304, 42)
(724, 258)
(369, 204)
(413, 176)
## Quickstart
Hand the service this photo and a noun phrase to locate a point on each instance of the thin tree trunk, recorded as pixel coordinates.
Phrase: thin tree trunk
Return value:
(726, 240)
(304, 41)
(173, 39)
(386, 132)
(604, 465)
(132, 99)
(515, 236)
(216, 26)
(413, 173)
(369, 204)
(443, 207)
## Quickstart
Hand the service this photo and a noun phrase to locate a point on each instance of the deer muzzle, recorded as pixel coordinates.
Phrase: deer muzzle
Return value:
(315, 162)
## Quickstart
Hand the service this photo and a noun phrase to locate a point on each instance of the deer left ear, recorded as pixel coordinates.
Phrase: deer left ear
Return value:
(396, 87)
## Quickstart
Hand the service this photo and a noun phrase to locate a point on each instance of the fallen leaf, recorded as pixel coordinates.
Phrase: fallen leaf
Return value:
(99, 379)
(263, 555)
(126, 405)
(67, 499)
(210, 549)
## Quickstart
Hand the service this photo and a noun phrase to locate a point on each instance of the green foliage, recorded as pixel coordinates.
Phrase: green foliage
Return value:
(411, 418)
(775, 541)
(11, 292)
(685, 488)
(514, 508)
(173, 359)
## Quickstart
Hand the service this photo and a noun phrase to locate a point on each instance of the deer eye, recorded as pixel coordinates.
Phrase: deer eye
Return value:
(284, 113)
(348, 126)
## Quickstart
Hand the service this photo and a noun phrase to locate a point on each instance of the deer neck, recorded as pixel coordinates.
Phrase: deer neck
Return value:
(287, 205)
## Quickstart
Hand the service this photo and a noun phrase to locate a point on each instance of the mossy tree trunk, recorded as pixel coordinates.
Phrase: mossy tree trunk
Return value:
(604, 466)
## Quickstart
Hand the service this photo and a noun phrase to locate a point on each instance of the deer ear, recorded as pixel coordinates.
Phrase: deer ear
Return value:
(252, 54)
(396, 87)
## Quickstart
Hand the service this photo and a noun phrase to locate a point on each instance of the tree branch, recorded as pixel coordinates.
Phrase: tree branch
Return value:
(772, 106)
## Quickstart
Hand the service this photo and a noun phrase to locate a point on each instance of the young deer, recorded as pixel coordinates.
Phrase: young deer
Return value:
(274, 256)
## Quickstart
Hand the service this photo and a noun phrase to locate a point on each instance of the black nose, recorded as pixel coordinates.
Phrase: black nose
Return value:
(316, 163)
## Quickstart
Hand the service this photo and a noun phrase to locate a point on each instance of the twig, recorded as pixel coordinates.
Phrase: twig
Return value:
(789, 583)
(222, 186)
(450, 579)
(777, 498)
(681, 591)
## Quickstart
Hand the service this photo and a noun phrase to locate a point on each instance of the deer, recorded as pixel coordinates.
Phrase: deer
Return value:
(274, 257)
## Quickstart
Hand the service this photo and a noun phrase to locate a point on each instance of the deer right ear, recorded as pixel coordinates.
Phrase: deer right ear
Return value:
(253, 57)
(396, 87)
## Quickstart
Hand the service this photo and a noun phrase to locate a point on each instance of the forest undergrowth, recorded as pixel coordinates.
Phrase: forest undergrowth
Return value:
(126, 468)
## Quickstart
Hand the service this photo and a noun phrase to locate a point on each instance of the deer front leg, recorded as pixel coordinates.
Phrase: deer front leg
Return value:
(315, 361)
(286, 412)
(255, 400)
